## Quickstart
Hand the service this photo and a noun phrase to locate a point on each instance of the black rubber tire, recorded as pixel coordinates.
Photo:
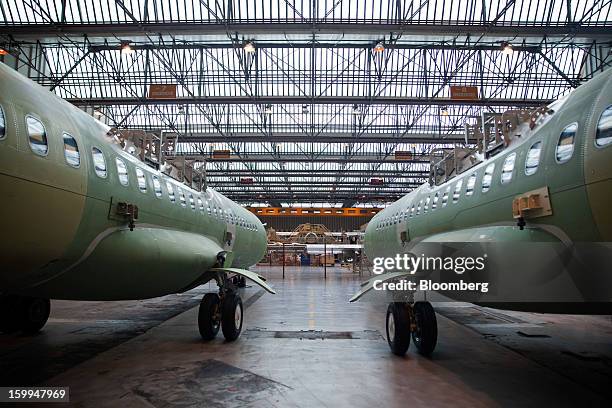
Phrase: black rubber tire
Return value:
(425, 335)
(398, 328)
(209, 320)
(9, 313)
(231, 317)
(34, 313)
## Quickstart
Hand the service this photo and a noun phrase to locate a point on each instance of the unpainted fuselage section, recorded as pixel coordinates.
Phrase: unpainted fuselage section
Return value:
(62, 238)
(580, 194)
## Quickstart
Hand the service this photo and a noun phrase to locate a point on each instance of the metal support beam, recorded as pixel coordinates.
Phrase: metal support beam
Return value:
(45, 30)
(299, 100)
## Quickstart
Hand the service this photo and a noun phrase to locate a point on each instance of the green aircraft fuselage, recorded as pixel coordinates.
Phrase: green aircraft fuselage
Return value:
(576, 178)
(64, 236)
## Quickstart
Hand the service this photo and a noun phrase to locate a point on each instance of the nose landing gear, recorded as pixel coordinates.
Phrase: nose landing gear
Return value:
(416, 320)
(223, 310)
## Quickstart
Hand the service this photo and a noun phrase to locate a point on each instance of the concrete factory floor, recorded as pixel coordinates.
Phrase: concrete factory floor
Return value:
(308, 347)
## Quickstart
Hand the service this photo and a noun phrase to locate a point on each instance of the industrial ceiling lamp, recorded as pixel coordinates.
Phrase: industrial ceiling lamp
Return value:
(249, 47)
(379, 47)
(444, 110)
(304, 109)
(126, 48)
(97, 113)
(268, 109)
(507, 48)
(355, 109)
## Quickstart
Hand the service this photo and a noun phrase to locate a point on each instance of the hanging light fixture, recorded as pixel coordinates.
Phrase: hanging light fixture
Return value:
(444, 110)
(97, 113)
(3, 51)
(126, 48)
(507, 48)
(355, 109)
(249, 47)
(379, 47)
(304, 109)
(268, 109)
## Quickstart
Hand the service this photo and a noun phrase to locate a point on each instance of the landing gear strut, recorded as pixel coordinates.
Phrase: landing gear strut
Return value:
(23, 313)
(417, 320)
(223, 310)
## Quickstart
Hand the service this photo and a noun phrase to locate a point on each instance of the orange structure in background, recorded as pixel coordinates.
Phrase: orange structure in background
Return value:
(338, 212)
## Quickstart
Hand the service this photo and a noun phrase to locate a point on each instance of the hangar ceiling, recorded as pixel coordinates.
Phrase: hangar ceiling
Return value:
(313, 98)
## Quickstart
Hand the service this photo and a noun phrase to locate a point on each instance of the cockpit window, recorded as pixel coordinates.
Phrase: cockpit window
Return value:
(2, 124)
(142, 181)
(565, 146)
(603, 137)
(71, 151)
(533, 158)
(122, 172)
(508, 168)
(99, 162)
(37, 135)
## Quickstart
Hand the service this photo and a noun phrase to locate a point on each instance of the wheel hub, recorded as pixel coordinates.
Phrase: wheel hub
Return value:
(391, 327)
(238, 316)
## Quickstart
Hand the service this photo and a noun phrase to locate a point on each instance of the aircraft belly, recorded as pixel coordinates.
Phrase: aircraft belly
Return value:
(535, 266)
(144, 263)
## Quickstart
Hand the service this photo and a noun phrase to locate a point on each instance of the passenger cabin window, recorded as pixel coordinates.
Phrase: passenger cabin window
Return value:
(508, 168)
(469, 189)
(434, 204)
(533, 158)
(99, 162)
(157, 186)
(71, 151)
(488, 176)
(426, 207)
(603, 137)
(142, 181)
(37, 135)
(565, 146)
(445, 196)
(418, 211)
(457, 192)
(191, 201)
(2, 124)
(122, 172)
(171, 195)
(182, 198)
(200, 204)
